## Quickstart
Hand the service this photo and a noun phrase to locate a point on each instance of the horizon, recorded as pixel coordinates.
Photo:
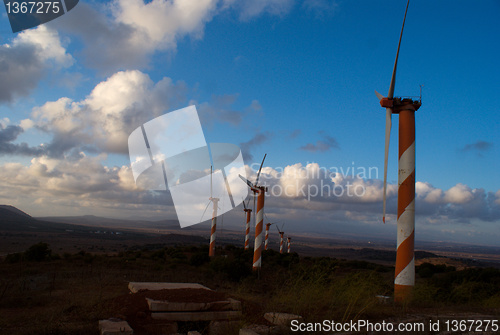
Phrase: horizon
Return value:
(294, 80)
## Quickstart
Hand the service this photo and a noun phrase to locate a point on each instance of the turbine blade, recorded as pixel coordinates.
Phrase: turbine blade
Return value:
(248, 202)
(388, 125)
(390, 95)
(379, 96)
(246, 181)
(244, 206)
(258, 174)
(201, 219)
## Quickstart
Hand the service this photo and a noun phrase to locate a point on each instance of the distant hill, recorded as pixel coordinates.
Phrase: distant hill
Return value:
(13, 219)
(7, 211)
(96, 221)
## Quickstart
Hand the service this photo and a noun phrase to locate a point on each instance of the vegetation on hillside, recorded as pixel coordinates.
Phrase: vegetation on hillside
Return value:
(69, 293)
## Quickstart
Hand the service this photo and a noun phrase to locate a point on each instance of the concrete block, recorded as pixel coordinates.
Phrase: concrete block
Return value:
(235, 304)
(168, 306)
(135, 287)
(162, 328)
(115, 327)
(196, 316)
(223, 327)
(281, 319)
(246, 331)
(255, 330)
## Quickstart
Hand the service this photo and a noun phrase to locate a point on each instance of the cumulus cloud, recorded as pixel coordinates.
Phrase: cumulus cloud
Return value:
(354, 189)
(460, 202)
(123, 34)
(24, 61)
(106, 117)
(83, 183)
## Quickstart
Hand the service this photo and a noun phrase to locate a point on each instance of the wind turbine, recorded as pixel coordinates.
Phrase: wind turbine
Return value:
(267, 234)
(215, 201)
(248, 212)
(281, 237)
(404, 278)
(259, 216)
(289, 239)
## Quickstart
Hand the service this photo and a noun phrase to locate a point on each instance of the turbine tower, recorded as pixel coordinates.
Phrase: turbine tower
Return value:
(289, 244)
(214, 201)
(248, 215)
(281, 232)
(404, 278)
(267, 234)
(259, 217)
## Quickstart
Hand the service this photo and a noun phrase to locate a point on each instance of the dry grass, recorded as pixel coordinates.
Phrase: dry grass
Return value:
(70, 294)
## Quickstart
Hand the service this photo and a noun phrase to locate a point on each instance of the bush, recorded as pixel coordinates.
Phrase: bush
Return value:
(199, 259)
(38, 252)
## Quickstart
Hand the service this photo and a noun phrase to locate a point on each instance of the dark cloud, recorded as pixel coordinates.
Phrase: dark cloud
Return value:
(479, 147)
(248, 146)
(10, 134)
(20, 70)
(219, 110)
(295, 133)
(326, 144)
(107, 43)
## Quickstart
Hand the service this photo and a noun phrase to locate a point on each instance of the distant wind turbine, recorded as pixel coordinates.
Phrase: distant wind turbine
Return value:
(214, 201)
(248, 215)
(260, 191)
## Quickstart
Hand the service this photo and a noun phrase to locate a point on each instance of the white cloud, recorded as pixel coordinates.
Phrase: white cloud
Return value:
(123, 34)
(25, 61)
(82, 185)
(47, 45)
(158, 23)
(107, 116)
(458, 194)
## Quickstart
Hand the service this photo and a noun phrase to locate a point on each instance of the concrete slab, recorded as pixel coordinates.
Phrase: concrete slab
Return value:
(135, 287)
(168, 306)
(196, 316)
(115, 327)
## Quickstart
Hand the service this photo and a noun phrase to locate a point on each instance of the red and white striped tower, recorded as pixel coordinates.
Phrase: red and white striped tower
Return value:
(211, 251)
(281, 242)
(259, 218)
(404, 278)
(289, 243)
(267, 235)
(248, 212)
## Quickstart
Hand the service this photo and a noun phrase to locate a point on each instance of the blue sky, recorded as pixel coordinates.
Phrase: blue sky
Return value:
(293, 79)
